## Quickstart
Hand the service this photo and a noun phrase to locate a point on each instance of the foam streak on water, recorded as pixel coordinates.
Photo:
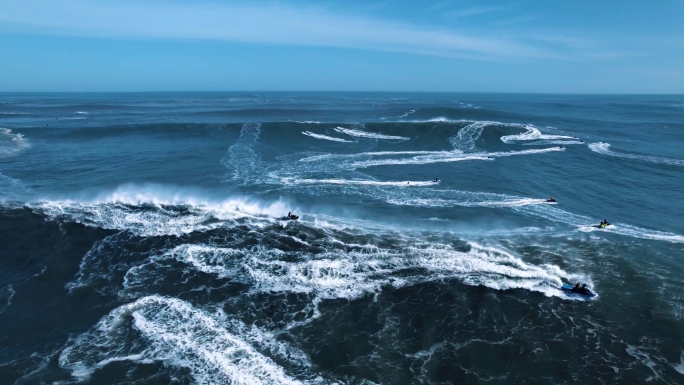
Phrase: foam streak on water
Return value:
(604, 149)
(178, 334)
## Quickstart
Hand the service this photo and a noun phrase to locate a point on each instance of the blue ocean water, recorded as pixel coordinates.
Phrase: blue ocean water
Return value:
(145, 240)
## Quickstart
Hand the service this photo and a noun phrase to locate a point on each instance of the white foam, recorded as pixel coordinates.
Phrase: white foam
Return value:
(12, 144)
(352, 274)
(180, 335)
(81, 112)
(489, 200)
(359, 182)
(439, 119)
(242, 158)
(153, 210)
(448, 157)
(407, 114)
(465, 138)
(604, 149)
(325, 137)
(316, 158)
(6, 295)
(636, 232)
(370, 135)
(552, 142)
(680, 367)
(532, 133)
(584, 224)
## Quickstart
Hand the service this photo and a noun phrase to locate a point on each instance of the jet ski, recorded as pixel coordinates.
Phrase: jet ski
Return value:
(602, 225)
(290, 217)
(581, 291)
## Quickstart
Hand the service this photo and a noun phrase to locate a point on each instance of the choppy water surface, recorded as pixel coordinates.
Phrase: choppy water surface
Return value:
(143, 238)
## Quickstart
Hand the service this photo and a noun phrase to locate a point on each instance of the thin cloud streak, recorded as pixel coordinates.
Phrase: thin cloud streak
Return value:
(264, 24)
(473, 11)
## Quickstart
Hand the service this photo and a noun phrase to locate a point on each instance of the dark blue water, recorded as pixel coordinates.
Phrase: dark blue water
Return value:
(143, 238)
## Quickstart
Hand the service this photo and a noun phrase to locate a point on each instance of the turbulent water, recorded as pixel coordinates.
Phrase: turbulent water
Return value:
(144, 241)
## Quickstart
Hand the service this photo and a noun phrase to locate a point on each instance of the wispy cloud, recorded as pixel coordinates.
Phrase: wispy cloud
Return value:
(472, 11)
(275, 23)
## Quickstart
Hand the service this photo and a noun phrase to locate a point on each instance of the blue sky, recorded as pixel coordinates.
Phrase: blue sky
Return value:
(297, 45)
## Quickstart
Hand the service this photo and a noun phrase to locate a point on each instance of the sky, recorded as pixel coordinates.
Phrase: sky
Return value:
(576, 46)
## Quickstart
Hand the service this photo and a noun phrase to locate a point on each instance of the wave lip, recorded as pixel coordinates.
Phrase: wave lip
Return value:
(604, 149)
(325, 137)
(369, 135)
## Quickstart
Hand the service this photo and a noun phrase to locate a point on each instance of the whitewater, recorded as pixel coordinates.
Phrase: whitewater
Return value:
(147, 240)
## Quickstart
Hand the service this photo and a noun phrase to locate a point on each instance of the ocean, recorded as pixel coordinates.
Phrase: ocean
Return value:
(144, 238)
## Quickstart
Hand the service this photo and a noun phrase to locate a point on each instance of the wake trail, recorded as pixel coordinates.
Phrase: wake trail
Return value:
(325, 137)
(369, 135)
(604, 149)
(212, 348)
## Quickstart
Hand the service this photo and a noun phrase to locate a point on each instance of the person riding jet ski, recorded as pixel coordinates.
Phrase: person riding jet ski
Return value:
(551, 199)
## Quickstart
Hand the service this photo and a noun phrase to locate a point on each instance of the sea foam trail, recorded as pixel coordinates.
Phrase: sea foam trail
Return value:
(465, 139)
(316, 158)
(604, 149)
(532, 133)
(584, 224)
(325, 137)
(291, 181)
(180, 335)
(448, 157)
(370, 135)
(356, 272)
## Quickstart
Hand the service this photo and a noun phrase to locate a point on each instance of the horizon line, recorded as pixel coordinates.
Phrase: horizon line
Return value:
(347, 91)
